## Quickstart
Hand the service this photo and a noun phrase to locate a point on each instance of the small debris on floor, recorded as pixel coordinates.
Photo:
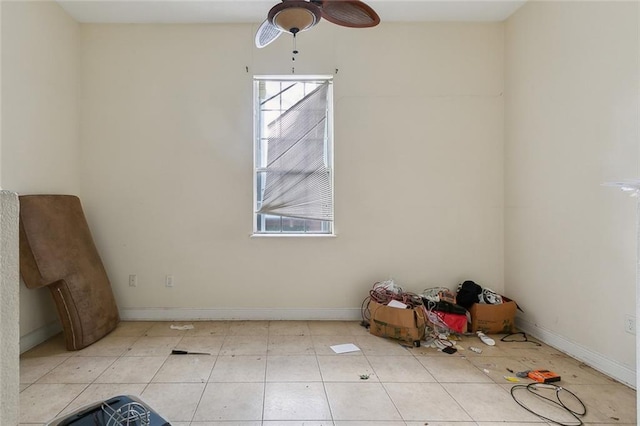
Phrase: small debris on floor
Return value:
(181, 327)
(344, 348)
(364, 377)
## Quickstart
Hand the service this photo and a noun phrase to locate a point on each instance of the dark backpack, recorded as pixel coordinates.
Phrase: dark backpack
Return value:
(468, 293)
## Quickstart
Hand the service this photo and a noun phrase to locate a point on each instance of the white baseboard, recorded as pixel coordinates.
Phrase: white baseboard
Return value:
(33, 339)
(593, 359)
(193, 314)
(41, 334)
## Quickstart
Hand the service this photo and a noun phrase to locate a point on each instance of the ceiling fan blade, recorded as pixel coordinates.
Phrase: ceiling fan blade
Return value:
(266, 34)
(349, 13)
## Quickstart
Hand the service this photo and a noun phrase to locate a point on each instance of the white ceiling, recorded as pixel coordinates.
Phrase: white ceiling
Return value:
(255, 11)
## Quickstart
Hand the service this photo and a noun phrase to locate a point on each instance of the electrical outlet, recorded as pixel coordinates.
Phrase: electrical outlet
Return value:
(168, 282)
(630, 324)
(133, 280)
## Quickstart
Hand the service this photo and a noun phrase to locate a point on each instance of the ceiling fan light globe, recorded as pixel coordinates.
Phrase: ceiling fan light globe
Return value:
(294, 16)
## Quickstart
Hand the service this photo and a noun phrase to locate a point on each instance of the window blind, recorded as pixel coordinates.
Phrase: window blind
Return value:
(297, 176)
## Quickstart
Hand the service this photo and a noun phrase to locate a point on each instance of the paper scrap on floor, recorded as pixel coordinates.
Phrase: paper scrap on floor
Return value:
(181, 327)
(344, 348)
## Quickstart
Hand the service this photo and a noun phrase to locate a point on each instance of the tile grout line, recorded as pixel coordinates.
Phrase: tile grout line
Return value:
(324, 387)
(386, 391)
(144, 334)
(266, 367)
(87, 385)
(206, 384)
(124, 354)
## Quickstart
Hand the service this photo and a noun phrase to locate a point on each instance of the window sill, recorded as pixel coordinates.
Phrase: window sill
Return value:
(283, 235)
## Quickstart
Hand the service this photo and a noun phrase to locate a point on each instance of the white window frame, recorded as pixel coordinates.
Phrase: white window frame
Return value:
(328, 227)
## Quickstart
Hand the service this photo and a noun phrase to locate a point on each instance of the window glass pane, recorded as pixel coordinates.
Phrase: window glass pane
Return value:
(290, 224)
(292, 96)
(271, 223)
(269, 117)
(271, 88)
(272, 105)
(315, 226)
(259, 186)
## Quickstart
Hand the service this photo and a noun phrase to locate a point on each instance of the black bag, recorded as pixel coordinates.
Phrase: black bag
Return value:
(447, 307)
(468, 293)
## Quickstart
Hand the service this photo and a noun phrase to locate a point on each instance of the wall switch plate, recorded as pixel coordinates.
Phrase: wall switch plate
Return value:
(630, 324)
(168, 281)
(133, 280)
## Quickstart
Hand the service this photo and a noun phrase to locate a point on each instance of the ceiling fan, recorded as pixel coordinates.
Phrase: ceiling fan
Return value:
(294, 16)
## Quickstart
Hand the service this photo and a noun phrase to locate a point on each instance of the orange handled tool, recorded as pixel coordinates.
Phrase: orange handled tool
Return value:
(543, 376)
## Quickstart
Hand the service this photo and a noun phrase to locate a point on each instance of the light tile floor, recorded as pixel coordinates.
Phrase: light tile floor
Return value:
(283, 373)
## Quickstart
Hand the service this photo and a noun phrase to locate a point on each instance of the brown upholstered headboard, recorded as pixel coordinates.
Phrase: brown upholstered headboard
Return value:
(57, 251)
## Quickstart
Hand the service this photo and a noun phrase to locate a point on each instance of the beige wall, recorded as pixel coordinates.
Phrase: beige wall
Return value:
(571, 115)
(166, 130)
(40, 144)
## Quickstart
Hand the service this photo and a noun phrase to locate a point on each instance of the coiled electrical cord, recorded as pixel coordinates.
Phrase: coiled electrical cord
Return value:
(533, 388)
(364, 311)
(384, 292)
(384, 296)
(524, 338)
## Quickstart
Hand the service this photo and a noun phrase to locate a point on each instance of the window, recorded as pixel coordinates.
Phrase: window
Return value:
(293, 155)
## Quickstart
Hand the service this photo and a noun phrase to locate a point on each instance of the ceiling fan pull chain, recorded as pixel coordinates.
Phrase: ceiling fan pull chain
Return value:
(295, 50)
